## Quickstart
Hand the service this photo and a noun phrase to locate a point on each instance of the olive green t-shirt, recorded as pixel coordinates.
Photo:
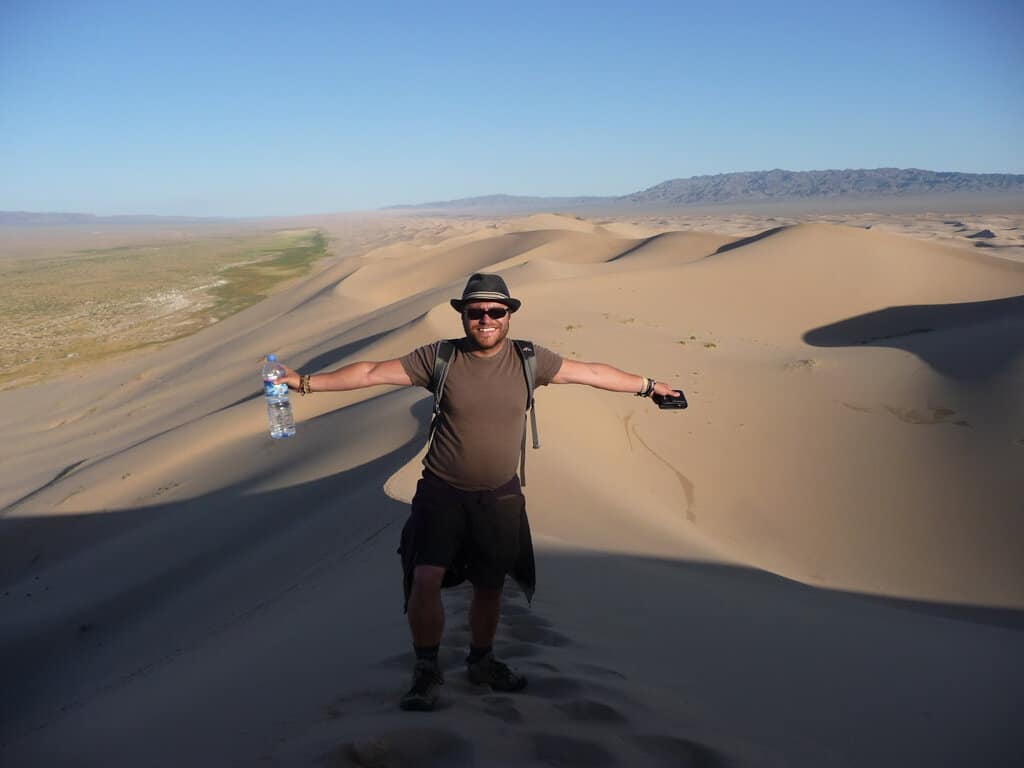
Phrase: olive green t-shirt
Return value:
(480, 428)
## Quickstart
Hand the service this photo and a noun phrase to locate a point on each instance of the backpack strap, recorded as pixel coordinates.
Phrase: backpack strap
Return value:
(443, 351)
(529, 358)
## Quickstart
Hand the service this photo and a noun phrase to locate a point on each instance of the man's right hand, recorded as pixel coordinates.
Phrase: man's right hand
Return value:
(291, 377)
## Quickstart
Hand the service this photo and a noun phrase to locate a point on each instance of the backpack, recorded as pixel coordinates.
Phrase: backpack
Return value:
(443, 352)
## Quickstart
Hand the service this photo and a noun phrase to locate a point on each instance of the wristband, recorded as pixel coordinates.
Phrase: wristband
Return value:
(304, 384)
(647, 388)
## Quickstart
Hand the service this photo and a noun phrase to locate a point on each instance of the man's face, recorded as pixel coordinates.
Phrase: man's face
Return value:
(486, 331)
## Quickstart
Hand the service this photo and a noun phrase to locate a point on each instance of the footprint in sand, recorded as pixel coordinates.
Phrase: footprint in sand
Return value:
(537, 634)
(553, 687)
(555, 749)
(412, 748)
(600, 671)
(507, 650)
(373, 702)
(678, 753)
(503, 708)
(590, 711)
(546, 666)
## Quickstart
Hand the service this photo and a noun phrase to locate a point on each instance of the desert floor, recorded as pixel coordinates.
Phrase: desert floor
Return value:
(817, 564)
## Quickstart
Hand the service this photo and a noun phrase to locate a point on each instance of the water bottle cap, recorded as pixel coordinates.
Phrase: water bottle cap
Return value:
(272, 357)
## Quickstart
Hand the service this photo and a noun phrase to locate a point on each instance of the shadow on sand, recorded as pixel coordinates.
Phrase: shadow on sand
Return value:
(115, 594)
(928, 331)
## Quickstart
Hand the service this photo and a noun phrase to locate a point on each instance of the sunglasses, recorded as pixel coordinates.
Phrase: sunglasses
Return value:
(495, 313)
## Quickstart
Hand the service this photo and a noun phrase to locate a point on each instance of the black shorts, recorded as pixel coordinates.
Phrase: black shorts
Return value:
(472, 534)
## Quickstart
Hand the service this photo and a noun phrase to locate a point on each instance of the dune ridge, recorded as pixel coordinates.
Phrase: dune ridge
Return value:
(844, 488)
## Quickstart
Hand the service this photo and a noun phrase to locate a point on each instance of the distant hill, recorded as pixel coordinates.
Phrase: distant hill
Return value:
(26, 218)
(31, 219)
(775, 185)
(802, 185)
(508, 202)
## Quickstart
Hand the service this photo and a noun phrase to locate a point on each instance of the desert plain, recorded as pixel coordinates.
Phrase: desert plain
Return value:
(818, 563)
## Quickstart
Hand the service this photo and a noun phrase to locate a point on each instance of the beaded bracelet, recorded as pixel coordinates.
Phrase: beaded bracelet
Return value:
(648, 388)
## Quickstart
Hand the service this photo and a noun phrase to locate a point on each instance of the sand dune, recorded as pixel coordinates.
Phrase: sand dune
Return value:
(817, 564)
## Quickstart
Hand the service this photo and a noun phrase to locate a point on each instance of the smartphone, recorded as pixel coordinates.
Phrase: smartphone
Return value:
(670, 401)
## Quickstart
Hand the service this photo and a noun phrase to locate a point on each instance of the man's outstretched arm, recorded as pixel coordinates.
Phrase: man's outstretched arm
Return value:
(352, 376)
(607, 377)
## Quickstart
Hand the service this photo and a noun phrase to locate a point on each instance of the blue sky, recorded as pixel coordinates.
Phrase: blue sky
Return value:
(263, 108)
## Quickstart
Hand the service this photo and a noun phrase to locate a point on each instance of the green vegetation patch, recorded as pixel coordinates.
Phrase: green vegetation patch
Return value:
(72, 308)
(245, 284)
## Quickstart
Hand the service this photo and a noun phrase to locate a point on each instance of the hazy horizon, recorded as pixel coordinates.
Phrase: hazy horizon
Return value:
(951, 203)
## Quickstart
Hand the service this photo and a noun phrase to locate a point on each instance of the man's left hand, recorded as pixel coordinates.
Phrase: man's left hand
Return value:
(661, 388)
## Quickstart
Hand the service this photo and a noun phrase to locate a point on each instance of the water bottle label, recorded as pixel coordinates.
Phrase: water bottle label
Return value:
(274, 389)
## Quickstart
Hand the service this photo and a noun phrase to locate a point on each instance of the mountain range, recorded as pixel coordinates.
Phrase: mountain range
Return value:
(743, 187)
(757, 186)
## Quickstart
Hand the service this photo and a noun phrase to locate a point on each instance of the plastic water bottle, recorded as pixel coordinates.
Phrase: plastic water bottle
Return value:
(279, 409)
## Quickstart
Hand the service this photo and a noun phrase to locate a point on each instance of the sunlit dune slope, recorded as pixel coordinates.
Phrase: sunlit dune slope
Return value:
(872, 464)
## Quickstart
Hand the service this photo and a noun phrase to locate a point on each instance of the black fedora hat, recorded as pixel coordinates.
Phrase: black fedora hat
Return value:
(483, 287)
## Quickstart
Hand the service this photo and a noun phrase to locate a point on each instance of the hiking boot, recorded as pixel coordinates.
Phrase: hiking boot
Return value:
(426, 687)
(489, 671)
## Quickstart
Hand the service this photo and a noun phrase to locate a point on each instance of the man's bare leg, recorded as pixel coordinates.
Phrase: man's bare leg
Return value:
(426, 621)
(484, 612)
(425, 611)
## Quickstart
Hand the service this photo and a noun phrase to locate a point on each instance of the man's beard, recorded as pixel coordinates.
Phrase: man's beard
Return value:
(487, 340)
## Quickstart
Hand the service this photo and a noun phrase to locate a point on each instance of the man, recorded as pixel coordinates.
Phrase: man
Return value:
(468, 517)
